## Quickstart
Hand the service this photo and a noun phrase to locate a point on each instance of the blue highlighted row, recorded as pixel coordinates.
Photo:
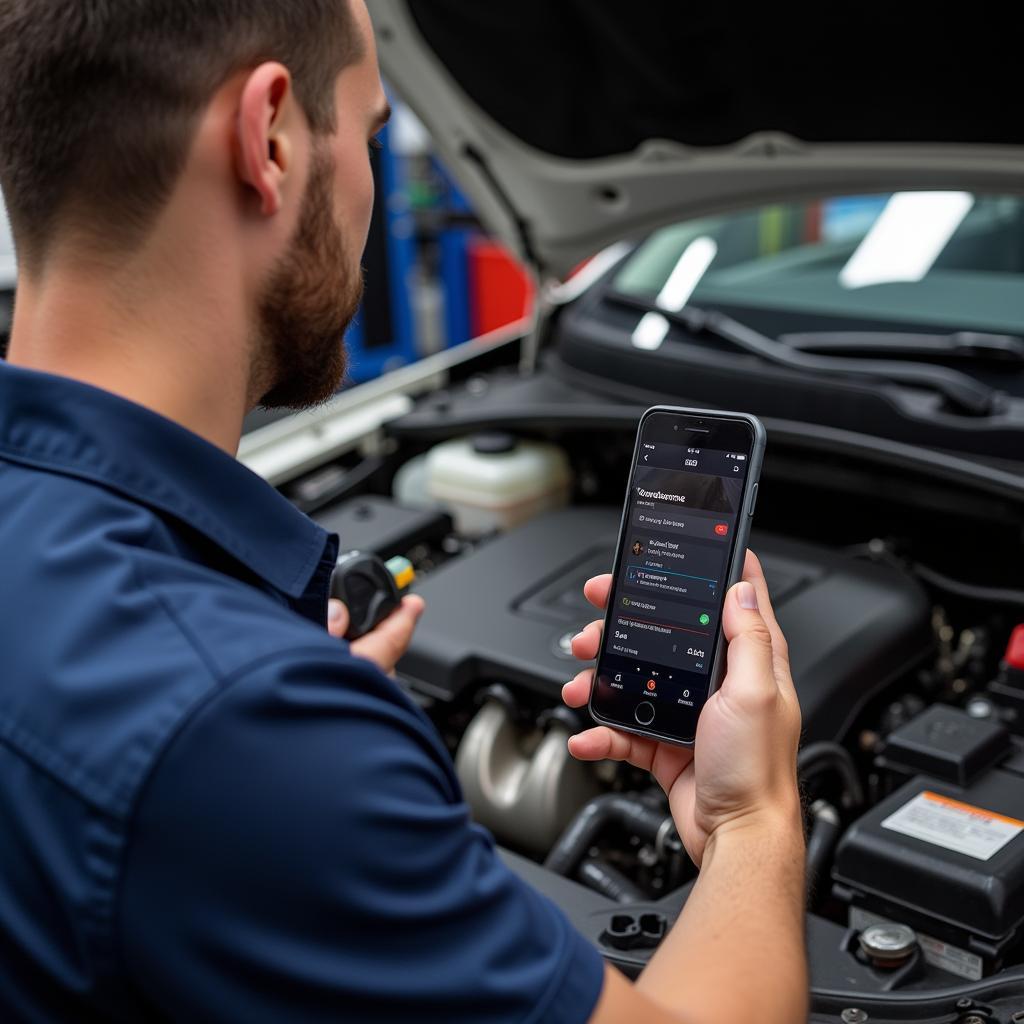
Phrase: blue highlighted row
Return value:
(668, 572)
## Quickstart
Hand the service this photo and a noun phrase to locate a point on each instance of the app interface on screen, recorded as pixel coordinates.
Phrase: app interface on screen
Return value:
(681, 520)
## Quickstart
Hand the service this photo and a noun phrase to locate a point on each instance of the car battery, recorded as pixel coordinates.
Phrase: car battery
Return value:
(944, 743)
(948, 861)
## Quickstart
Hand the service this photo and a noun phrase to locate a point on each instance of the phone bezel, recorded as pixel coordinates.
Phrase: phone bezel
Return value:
(698, 417)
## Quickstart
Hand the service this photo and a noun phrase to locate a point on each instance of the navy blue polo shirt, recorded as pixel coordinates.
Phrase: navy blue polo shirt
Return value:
(210, 810)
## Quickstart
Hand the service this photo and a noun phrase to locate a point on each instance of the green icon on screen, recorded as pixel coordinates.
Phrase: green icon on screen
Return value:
(705, 619)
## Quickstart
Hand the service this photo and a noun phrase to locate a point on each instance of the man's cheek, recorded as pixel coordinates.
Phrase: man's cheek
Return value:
(354, 197)
(366, 209)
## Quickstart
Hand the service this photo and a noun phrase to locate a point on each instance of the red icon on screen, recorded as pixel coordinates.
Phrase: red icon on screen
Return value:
(721, 529)
(651, 684)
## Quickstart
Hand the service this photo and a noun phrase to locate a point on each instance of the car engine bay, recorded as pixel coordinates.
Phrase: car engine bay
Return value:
(910, 678)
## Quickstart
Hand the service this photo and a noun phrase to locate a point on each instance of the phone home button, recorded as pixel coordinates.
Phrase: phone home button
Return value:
(644, 713)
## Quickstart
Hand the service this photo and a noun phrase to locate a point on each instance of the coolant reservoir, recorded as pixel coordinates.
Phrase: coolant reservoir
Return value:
(496, 481)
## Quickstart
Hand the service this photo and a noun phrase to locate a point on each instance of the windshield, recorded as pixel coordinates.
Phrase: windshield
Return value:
(938, 259)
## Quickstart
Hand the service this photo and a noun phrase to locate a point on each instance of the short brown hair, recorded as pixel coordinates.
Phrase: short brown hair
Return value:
(99, 99)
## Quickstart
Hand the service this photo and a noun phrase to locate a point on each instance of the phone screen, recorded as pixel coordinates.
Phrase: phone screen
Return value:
(685, 513)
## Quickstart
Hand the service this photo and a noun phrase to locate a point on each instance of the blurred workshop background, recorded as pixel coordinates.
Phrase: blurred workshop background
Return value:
(433, 277)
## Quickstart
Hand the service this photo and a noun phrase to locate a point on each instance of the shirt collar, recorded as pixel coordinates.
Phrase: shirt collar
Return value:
(65, 426)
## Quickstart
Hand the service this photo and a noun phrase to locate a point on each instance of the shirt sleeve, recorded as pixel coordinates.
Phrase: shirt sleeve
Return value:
(302, 853)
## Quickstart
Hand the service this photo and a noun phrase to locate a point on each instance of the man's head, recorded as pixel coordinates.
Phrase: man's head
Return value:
(257, 112)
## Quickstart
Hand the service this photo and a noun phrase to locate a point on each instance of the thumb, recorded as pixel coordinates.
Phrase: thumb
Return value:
(337, 618)
(388, 641)
(750, 669)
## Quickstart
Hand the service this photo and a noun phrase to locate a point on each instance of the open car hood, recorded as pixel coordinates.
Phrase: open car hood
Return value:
(570, 124)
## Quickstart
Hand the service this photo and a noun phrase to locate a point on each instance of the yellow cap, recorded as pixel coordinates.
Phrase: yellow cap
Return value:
(401, 571)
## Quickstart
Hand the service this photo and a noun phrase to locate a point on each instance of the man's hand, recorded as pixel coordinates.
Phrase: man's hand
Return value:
(742, 769)
(389, 641)
(738, 941)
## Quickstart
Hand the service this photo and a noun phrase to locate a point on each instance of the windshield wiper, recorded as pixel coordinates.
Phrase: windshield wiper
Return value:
(960, 390)
(974, 345)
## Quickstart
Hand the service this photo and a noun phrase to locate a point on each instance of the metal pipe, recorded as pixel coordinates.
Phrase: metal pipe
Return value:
(522, 788)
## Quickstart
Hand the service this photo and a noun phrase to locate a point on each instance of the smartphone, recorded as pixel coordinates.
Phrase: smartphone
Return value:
(682, 542)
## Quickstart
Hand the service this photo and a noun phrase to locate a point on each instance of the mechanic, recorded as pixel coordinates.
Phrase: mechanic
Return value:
(211, 807)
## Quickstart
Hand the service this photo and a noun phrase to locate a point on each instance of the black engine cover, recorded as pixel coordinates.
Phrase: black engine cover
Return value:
(507, 611)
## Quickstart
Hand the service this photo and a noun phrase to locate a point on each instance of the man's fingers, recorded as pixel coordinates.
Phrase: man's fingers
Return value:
(753, 573)
(576, 692)
(604, 744)
(596, 590)
(586, 642)
(752, 566)
(337, 618)
(385, 644)
(751, 671)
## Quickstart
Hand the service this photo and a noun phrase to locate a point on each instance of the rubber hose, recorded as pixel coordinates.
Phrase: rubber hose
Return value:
(822, 756)
(608, 881)
(825, 828)
(623, 809)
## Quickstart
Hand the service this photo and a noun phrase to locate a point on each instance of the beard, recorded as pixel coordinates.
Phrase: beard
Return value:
(308, 303)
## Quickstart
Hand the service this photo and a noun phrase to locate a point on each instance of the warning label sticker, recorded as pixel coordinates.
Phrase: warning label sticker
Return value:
(953, 825)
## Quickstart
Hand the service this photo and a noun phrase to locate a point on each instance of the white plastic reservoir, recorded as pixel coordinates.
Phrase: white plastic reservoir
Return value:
(495, 481)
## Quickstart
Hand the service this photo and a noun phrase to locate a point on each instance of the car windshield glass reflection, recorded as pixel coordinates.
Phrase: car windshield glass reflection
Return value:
(948, 260)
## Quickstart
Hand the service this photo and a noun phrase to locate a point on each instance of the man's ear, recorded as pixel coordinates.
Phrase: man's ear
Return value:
(263, 148)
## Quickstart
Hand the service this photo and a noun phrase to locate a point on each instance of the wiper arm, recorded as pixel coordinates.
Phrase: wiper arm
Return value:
(962, 391)
(977, 345)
